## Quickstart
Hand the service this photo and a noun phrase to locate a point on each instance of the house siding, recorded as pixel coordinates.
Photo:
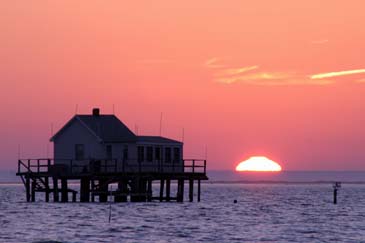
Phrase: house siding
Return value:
(76, 133)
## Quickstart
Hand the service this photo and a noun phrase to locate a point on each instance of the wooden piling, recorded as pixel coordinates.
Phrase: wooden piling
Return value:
(180, 190)
(122, 190)
(335, 196)
(149, 190)
(198, 190)
(85, 189)
(73, 196)
(142, 190)
(33, 190)
(27, 188)
(46, 182)
(103, 190)
(93, 190)
(162, 184)
(64, 190)
(191, 190)
(168, 186)
(55, 189)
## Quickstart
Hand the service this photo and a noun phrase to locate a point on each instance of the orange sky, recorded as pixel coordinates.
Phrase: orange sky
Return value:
(284, 79)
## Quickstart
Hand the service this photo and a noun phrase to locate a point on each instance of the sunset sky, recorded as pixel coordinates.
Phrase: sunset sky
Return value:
(283, 79)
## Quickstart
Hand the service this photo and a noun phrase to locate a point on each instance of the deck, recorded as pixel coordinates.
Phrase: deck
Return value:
(134, 179)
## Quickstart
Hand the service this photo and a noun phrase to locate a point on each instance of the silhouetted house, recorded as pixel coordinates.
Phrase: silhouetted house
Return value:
(98, 141)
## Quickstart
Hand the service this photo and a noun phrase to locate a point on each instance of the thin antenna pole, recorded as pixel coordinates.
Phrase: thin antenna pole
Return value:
(161, 124)
(18, 151)
(49, 141)
(76, 108)
(206, 152)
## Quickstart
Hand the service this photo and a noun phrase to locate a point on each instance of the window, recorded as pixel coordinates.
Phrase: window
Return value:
(176, 154)
(140, 153)
(125, 152)
(149, 154)
(79, 152)
(109, 152)
(168, 155)
(157, 153)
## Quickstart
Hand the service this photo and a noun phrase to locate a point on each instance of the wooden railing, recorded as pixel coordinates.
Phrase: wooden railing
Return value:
(74, 167)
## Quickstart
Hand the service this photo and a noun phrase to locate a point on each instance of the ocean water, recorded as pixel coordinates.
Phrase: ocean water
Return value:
(265, 212)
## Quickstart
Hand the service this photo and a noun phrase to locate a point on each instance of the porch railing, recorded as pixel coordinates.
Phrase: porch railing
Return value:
(74, 167)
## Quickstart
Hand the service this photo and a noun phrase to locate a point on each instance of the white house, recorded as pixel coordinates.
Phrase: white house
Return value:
(104, 141)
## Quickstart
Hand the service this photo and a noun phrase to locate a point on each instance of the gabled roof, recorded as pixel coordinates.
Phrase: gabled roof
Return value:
(106, 128)
(156, 139)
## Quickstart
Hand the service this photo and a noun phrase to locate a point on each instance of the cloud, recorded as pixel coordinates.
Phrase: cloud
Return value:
(337, 74)
(272, 79)
(235, 71)
(319, 42)
(212, 63)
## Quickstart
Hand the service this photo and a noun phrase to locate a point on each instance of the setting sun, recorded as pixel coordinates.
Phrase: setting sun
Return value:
(258, 163)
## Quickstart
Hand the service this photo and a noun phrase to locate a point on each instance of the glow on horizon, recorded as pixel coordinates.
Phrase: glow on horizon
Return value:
(258, 163)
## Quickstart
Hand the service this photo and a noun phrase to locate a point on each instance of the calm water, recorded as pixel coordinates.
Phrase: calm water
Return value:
(264, 213)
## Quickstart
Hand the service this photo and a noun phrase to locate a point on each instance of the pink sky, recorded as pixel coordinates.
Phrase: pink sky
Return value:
(284, 79)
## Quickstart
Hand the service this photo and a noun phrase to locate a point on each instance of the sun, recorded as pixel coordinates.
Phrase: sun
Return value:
(258, 163)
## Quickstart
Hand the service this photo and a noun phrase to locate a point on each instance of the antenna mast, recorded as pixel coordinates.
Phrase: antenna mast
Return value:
(160, 124)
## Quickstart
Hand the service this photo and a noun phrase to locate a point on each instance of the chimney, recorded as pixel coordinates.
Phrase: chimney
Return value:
(96, 112)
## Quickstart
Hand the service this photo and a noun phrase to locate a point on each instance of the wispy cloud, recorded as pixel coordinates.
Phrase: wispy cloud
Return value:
(272, 79)
(235, 71)
(213, 63)
(319, 42)
(337, 74)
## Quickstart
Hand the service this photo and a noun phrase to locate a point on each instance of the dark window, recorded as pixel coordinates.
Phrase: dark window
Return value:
(79, 152)
(168, 155)
(149, 154)
(125, 152)
(140, 153)
(158, 154)
(109, 152)
(176, 154)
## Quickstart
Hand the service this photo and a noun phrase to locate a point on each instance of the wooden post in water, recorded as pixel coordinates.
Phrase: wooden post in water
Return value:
(336, 186)
(103, 188)
(33, 190)
(180, 190)
(149, 190)
(55, 189)
(168, 186)
(27, 188)
(64, 190)
(122, 189)
(46, 182)
(162, 184)
(191, 190)
(84, 189)
(142, 190)
(73, 196)
(198, 190)
(93, 190)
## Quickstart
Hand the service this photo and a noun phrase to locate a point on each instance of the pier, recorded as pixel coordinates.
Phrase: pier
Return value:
(134, 180)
